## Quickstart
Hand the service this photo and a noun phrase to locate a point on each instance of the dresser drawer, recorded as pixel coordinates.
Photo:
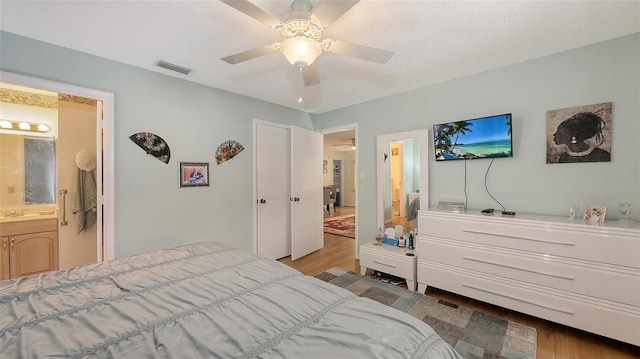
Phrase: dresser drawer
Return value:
(394, 264)
(606, 318)
(601, 244)
(609, 282)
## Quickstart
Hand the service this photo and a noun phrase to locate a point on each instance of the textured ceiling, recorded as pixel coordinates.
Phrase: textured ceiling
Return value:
(433, 41)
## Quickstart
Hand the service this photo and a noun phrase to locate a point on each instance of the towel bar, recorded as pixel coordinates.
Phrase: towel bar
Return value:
(63, 193)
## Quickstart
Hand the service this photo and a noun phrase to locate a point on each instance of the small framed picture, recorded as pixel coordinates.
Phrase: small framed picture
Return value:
(595, 214)
(194, 174)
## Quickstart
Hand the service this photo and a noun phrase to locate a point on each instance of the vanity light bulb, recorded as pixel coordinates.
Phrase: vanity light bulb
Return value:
(299, 99)
(43, 128)
(5, 124)
(24, 126)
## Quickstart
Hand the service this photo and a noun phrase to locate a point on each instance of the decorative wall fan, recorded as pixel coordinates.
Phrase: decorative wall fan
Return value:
(228, 150)
(301, 31)
(152, 144)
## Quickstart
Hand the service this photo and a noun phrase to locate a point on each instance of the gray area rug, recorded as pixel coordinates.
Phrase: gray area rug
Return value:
(473, 334)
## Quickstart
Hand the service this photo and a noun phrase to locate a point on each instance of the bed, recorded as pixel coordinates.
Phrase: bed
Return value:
(205, 300)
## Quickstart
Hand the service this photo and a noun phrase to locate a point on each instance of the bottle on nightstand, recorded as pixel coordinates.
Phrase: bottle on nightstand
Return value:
(412, 239)
(379, 235)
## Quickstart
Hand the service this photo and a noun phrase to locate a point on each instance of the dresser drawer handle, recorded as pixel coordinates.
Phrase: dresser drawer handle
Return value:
(384, 264)
(519, 299)
(518, 237)
(518, 268)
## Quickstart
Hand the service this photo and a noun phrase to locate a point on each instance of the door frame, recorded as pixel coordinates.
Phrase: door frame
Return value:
(423, 135)
(105, 145)
(351, 126)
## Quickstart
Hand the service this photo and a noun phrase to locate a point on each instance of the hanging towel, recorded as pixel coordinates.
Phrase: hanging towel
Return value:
(85, 199)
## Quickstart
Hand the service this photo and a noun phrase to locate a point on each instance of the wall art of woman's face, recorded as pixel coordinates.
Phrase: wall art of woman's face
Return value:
(579, 134)
(562, 136)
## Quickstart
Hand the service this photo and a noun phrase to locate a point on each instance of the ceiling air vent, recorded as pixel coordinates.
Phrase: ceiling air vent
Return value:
(172, 67)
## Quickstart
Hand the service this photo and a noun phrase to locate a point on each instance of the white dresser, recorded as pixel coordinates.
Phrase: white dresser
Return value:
(583, 276)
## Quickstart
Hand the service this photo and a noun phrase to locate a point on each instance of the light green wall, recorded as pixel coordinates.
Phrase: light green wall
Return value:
(151, 210)
(607, 71)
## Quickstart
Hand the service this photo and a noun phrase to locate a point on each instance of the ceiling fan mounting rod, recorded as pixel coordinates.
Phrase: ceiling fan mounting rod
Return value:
(301, 5)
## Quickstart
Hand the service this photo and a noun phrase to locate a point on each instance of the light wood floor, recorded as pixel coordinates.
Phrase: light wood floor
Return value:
(555, 341)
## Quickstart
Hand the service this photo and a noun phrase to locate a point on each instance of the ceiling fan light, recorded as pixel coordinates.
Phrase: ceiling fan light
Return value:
(300, 51)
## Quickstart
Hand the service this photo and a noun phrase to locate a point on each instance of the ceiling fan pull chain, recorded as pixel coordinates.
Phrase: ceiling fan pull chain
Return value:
(300, 87)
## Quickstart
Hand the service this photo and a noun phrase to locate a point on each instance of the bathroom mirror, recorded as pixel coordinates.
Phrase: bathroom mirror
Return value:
(402, 176)
(27, 170)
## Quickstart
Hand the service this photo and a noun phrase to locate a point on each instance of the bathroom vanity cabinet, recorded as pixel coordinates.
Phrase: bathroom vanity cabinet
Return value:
(28, 247)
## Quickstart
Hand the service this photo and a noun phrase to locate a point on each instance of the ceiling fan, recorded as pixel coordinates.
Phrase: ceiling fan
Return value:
(351, 144)
(301, 31)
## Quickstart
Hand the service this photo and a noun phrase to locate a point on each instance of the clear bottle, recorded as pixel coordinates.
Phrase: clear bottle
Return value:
(379, 235)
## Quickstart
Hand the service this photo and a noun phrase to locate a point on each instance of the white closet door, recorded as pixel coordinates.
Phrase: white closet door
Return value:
(306, 192)
(273, 191)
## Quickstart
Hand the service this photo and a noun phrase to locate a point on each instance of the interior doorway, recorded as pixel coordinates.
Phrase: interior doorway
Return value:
(104, 117)
(340, 169)
(397, 180)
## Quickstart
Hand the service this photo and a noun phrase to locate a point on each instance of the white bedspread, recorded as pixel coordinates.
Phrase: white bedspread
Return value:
(205, 300)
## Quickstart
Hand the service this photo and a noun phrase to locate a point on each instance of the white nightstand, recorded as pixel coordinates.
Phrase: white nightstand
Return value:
(392, 260)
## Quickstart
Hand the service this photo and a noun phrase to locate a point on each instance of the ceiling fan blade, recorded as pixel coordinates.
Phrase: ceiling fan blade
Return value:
(253, 11)
(310, 75)
(328, 11)
(358, 51)
(250, 54)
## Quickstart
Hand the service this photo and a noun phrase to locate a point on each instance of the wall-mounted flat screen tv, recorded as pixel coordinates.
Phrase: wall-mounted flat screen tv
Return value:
(485, 137)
